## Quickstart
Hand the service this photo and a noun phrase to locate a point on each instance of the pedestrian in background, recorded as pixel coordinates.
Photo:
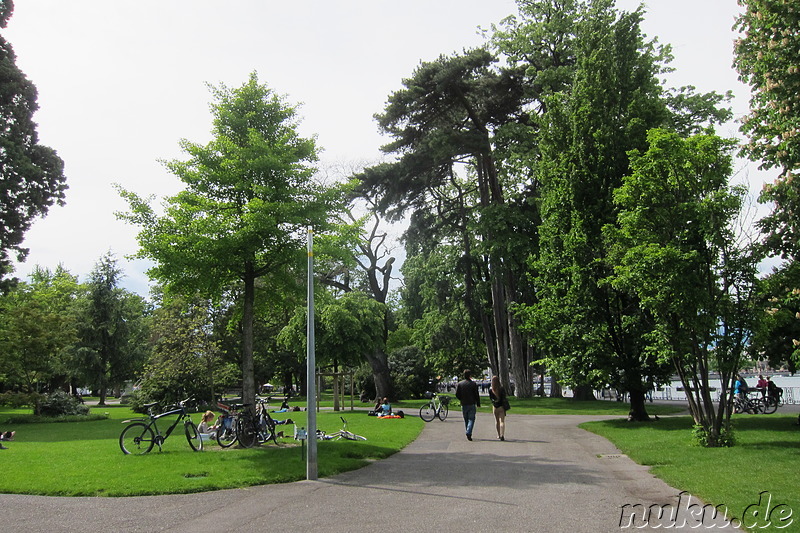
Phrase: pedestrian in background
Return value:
(467, 393)
(497, 393)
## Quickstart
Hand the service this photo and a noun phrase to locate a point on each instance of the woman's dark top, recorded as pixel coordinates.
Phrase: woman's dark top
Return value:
(498, 401)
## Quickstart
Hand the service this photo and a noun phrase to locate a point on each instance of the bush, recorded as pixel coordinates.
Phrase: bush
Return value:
(60, 403)
(410, 374)
(703, 438)
(20, 399)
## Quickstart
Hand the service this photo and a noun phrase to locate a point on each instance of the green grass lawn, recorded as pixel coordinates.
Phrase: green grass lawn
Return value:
(763, 459)
(84, 458)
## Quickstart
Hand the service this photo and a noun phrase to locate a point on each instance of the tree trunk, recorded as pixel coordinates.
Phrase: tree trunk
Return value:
(638, 412)
(583, 393)
(248, 372)
(519, 361)
(501, 331)
(555, 388)
(379, 363)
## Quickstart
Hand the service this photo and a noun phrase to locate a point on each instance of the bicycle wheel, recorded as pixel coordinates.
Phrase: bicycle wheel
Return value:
(226, 432)
(246, 432)
(137, 438)
(758, 406)
(427, 412)
(443, 410)
(770, 405)
(268, 430)
(193, 436)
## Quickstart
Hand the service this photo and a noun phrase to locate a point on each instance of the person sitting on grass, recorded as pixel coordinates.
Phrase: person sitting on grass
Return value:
(385, 408)
(8, 435)
(206, 431)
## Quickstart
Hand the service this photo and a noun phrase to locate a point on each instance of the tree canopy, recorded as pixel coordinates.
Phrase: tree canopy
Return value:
(31, 174)
(243, 216)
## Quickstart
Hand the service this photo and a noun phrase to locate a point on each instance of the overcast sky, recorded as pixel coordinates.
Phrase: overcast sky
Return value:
(120, 83)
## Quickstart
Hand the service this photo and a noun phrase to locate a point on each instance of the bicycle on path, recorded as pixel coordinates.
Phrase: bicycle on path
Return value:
(748, 404)
(142, 434)
(436, 407)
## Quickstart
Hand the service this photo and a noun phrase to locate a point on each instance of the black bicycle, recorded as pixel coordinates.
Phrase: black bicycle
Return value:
(256, 426)
(142, 434)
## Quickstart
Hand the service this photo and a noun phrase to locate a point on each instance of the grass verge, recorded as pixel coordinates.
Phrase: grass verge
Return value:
(763, 459)
(84, 458)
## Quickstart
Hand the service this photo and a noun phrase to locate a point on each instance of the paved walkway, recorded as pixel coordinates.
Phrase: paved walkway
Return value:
(548, 476)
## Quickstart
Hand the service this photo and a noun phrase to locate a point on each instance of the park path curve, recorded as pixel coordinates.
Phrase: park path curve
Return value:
(547, 476)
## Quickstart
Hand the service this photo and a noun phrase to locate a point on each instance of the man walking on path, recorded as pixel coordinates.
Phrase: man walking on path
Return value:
(467, 394)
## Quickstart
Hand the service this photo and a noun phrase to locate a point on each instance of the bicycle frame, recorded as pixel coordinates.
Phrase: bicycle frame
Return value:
(144, 433)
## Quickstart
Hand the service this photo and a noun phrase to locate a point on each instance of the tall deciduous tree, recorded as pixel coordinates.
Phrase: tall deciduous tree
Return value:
(594, 332)
(243, 216)
(676, 249)
(31, 175)
(766, 57)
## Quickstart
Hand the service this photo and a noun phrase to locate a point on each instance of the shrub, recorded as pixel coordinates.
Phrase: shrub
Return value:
(20, 399)
(60, 403)
(703, 438)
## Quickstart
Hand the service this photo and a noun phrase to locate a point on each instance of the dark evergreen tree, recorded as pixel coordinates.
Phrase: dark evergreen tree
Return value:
(31, 175)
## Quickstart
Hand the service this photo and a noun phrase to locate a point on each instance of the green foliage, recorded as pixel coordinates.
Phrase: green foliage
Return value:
(112, 330)
(38, 321)
(185, 357)
(776, 336)
(766, 58)
(705, 438)
(20, 399)
(589, 331)
(410, 372)
(31, 175)
(346, 329)
(60, 403)
(244, 215)
(674, 247)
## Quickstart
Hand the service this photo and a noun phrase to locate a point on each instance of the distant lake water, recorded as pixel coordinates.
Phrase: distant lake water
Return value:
(790, 385)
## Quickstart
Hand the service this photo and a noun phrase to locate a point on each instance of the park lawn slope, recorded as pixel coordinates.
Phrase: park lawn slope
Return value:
(84, 458)
(763, 459)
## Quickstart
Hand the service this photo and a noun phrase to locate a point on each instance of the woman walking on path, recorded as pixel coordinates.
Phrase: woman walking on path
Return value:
(498, 396)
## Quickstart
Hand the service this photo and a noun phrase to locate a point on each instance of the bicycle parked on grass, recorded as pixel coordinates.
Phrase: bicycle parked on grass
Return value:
(437, 407)
(240, 423)
(142, 434)
(226, 424)
(343, 433)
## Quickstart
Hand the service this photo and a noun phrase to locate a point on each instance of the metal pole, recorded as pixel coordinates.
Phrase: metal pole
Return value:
(311, 366)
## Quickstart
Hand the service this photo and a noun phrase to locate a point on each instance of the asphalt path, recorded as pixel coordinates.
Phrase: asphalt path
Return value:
(547, 476)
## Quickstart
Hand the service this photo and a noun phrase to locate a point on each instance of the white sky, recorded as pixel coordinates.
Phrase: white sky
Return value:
(120, 83)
